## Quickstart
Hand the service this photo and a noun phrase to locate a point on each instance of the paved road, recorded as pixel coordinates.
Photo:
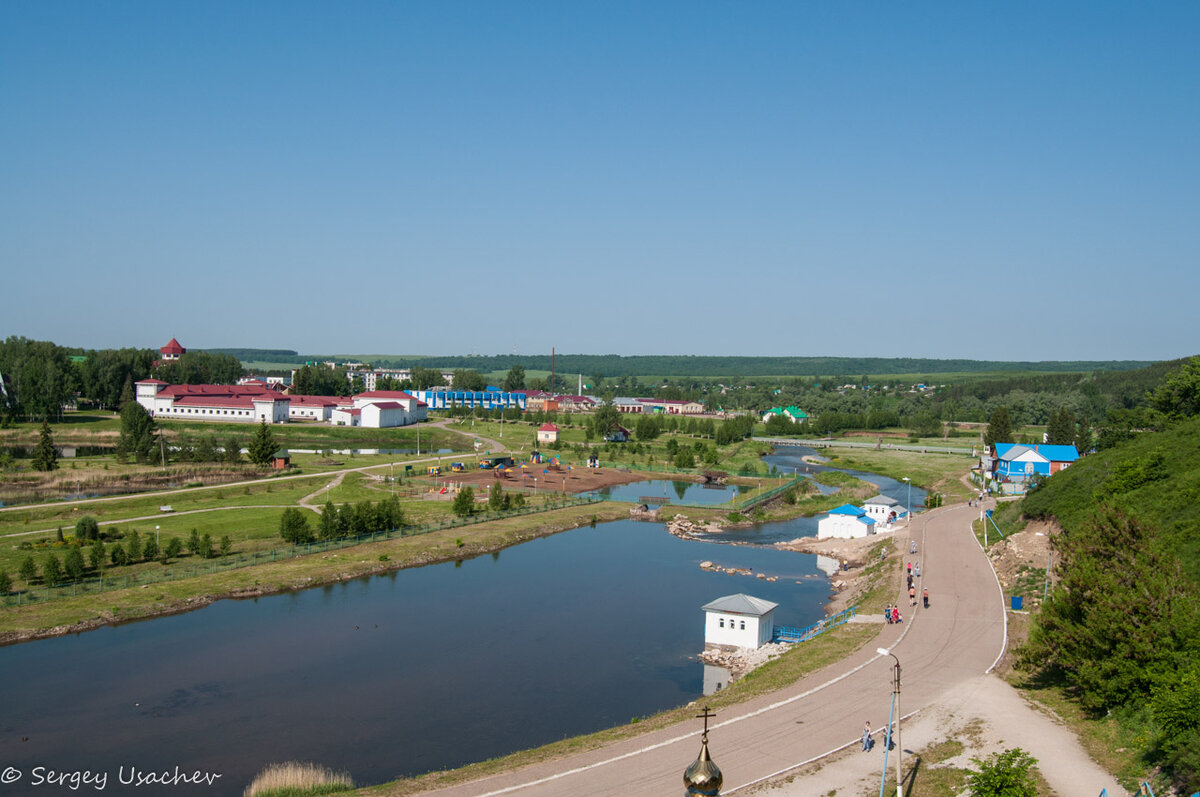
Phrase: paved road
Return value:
(959, 637)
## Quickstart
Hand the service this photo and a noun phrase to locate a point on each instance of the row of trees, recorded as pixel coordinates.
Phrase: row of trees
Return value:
(130, 549)
(335, 522)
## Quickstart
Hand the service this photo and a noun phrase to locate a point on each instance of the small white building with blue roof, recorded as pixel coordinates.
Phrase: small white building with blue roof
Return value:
(846, 522)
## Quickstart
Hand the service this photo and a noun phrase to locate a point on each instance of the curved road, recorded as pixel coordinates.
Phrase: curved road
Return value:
(960, 636)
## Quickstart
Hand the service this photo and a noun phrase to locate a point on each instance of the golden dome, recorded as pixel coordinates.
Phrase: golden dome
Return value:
(703, 776)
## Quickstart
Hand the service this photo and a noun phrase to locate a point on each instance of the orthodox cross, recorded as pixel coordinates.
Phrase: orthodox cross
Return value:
(706, 716)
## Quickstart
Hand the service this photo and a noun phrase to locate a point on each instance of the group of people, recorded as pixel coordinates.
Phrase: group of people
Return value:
(868, 742)
(892, 614)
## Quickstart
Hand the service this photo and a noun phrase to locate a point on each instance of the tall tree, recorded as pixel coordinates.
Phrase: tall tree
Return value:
(1061, 429)
(999, 428)
(137, 439)
(515, 378)
(263, 447)
(464, 502)
(45, 457)
(606, 419)
(466, 379)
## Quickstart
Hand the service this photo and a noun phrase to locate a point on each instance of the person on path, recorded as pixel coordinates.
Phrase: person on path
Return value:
(910, 568)
(917, 570)
(912, 596)
(925, 596)
(866, 739)
(913, 548)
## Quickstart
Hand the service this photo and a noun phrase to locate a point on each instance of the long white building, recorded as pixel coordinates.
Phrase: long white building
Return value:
(244, 403)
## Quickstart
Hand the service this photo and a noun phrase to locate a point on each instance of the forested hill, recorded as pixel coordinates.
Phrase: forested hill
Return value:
(613, 365)
(1121, 628)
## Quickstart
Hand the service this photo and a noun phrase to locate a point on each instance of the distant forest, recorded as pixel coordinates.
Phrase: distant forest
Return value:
(613, 365)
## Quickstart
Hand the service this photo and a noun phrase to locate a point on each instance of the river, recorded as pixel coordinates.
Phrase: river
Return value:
(403, 673)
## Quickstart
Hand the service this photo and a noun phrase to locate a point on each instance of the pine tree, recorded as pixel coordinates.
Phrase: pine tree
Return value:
(262, 448)
(5, 583)
(45, 457)
(136, 439)
(464, 502)
(999, 428)
(96, 555)
(233, 450)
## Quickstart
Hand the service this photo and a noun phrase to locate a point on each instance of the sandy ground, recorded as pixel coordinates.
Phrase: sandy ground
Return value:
(986, 716)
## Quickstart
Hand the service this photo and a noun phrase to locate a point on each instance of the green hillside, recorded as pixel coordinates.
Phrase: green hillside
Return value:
(1155, 477)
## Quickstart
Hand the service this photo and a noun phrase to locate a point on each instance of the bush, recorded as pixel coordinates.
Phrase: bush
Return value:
(86, 528)
(1005, 774)
(293, 527)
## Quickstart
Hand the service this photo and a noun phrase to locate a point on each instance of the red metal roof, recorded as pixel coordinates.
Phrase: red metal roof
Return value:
(173, 347)
(385, 394)
(240, 402)
(315, 401)
(547, 427)
(387, 405)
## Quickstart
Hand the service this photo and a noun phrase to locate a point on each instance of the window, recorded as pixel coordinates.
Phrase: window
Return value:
(743, 628)
(721, 622)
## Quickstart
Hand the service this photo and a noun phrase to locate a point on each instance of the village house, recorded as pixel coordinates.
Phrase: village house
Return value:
(1013, 464)
(547, 433)
(379, 409)
(792, 413)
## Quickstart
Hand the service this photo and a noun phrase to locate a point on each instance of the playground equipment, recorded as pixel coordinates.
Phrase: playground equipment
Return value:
(457, 467)
(434, 470)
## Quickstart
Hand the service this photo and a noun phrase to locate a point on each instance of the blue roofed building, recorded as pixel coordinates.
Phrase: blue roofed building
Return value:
(846, 522)
(1013, 465)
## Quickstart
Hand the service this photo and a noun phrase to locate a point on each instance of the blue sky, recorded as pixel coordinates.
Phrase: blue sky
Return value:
(1013, 181)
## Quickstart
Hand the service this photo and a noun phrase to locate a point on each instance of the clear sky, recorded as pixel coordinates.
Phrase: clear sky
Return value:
(994, 181)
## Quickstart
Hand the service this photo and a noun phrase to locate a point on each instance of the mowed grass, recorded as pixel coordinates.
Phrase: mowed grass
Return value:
(933, 472)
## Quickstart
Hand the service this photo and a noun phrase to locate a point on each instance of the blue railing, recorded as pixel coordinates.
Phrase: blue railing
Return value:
(790, 634)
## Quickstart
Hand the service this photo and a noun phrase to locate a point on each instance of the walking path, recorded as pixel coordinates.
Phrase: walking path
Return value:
(945, 652)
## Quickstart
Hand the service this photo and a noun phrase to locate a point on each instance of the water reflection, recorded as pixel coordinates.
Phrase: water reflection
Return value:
(715, 679)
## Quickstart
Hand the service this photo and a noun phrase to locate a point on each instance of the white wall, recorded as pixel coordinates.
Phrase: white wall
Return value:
(841, 526)
(738, 630)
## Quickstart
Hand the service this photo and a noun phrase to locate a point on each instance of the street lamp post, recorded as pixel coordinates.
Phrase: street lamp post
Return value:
(896, 706)
(910, 508)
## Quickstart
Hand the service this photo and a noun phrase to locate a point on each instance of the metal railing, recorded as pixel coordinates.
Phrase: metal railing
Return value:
(789, 634)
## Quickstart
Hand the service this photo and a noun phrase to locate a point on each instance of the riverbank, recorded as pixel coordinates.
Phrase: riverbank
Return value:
(75, 615)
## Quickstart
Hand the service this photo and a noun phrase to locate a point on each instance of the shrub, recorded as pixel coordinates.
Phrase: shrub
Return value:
(1005, 774)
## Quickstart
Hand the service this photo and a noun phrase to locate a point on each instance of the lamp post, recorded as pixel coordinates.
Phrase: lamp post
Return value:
(896, 704)
(910, 509)
(156, 539)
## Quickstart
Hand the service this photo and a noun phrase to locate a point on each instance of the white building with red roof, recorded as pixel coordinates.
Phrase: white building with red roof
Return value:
(313, 408)
(380, 409)
(245, 403)
(547, 433)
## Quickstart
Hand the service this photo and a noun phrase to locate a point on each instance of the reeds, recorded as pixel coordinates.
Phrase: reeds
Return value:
(295, 778)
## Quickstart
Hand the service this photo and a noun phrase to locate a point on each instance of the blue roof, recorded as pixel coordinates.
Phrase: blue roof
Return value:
(1055, 453)
(847, 509)
(870, 521)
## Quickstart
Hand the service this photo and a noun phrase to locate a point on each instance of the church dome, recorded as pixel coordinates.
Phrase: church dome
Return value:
(703, 776)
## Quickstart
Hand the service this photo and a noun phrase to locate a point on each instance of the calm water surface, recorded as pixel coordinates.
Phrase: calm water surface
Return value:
(675, 491)
(399, 674)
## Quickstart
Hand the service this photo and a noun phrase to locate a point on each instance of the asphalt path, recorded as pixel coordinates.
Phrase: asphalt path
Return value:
(960, 636)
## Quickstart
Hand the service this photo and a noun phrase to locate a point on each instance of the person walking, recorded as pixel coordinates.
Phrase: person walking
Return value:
(866, 738)
(912, 596)
(925, 596)
(917, 570)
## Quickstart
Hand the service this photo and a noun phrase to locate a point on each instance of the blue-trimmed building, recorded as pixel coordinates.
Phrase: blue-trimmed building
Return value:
(491, 399)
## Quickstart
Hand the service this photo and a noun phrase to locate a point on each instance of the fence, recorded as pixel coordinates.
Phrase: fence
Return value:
(785, 633)
(92, 586)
